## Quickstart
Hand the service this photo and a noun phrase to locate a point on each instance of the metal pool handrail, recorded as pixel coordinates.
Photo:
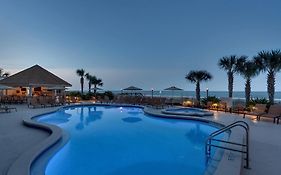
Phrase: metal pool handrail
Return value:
(209, 140)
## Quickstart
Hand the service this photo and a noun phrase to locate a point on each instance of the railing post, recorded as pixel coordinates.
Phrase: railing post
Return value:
(247, 149)
(226, 128)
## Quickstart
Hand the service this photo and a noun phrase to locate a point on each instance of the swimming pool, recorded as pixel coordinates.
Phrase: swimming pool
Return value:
(108, 140)
(188, 111)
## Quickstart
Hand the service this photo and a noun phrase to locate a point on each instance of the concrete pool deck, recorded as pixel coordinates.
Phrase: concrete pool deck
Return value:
(16, 139)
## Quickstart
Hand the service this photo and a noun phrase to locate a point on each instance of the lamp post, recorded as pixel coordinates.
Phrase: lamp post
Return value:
(207, 92)
(152, 92)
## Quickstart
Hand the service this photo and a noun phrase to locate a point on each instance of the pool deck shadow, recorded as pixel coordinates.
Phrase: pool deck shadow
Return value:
(17, 139)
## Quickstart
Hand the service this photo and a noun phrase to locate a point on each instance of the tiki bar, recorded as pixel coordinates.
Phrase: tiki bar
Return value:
(35, 86)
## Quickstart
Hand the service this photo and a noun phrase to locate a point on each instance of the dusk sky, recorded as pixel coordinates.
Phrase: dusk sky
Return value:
(146, 43)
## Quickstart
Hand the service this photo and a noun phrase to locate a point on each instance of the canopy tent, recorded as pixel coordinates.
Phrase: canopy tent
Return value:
(133, 90)
(34, 77)
(173, 88)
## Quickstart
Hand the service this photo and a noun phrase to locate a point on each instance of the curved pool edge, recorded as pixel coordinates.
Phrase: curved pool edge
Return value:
(23, 163)
(22, 166)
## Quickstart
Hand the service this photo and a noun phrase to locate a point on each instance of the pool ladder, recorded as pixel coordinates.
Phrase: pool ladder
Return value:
(245, 147)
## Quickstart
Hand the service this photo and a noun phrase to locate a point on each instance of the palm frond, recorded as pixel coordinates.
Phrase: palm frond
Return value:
(198, 76)
(80, 72)
(248, 69)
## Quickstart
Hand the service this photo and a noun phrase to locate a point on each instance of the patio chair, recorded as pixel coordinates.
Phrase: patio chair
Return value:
(257, 110)
(209, 105)
(239, 109)
(34, 102)
(196, 103)
(51, 101)
(274, 112)
(222, 106)
(43, 101)
(6, 108)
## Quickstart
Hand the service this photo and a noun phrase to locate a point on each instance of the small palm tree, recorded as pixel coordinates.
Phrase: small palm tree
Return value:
(270, 62)
(248, 69)
(81, 74)
(96, 82)
(3, 74)
(196, 77)
(229, 64)
(89, 78)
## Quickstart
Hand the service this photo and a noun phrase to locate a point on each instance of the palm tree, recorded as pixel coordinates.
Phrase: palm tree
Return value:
(3, 74)
(229, 64)
(248, 69)
(196, 77)
(270, 62)
(96, 82)
(89, 78)
(81, 74)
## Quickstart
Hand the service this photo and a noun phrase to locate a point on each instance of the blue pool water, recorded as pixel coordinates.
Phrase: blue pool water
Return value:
(108, 140)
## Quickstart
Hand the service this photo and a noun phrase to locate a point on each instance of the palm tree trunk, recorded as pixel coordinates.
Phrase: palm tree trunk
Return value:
(247, 90)
(95, 90)
(271, 86)
(82, 84)
(230, 84)
(90, 84)
(198, 91)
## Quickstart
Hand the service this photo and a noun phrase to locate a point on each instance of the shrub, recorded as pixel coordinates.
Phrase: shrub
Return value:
(212, 99)
(253, 102)
(73, 93)
(109, 94)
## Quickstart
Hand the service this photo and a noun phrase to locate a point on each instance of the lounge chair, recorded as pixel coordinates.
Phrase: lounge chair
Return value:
(228, 103)
(209, 105)
(274, 112)
(258, 109)
(222, 106)
(196, 103)
(212, 106)
(42, 101)
(6, 108)
(239, 109)
(34, 102)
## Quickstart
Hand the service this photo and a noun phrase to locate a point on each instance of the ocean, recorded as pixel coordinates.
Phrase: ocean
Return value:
(191, 94)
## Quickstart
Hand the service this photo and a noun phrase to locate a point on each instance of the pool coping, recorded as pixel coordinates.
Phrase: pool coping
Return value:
(203, 113)
(22, 166)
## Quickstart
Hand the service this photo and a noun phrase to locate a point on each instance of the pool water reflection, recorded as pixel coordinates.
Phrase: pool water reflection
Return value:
(124, 140)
